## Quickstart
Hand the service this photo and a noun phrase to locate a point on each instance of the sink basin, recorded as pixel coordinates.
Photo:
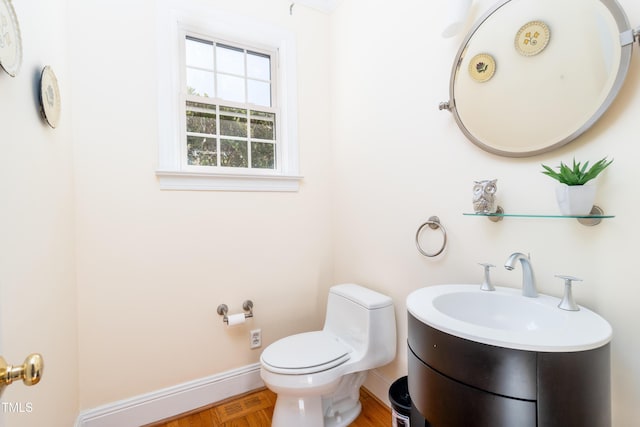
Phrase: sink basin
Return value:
(505, 318)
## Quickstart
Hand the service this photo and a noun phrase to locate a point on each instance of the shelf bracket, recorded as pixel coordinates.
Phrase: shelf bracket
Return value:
(590, 222)
(497, 218)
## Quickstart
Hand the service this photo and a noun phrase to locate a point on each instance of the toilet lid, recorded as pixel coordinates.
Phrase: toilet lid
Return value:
(305, 353)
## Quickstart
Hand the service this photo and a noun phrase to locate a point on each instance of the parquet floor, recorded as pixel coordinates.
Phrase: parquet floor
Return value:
(255, 409)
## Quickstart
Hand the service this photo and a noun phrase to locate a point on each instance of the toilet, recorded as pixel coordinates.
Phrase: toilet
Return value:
(317, 375)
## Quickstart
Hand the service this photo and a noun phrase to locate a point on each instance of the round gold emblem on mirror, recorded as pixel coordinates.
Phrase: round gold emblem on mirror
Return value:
(532, 38)
(482, 67)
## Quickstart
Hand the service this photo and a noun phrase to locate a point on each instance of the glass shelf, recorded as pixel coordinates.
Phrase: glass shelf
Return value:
(506, 215)
(596, 216)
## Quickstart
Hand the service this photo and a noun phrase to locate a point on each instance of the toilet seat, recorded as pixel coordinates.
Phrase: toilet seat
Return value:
(305, 353)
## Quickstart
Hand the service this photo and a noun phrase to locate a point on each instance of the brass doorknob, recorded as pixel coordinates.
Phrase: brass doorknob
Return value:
(29, 372)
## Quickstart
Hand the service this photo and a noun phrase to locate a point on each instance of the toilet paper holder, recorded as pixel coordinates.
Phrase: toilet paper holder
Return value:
(247, 306)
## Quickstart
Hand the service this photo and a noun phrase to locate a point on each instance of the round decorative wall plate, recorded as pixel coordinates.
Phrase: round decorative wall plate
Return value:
(10, 41)
(532, 38)
(50, 97)
(482, 67)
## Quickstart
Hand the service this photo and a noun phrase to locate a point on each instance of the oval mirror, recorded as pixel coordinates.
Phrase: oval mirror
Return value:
(532, 75)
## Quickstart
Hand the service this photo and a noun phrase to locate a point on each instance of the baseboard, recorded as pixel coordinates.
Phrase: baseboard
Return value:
(171, 401)
(377, 385)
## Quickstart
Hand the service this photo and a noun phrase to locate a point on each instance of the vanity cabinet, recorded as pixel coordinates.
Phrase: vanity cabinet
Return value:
(454, 382)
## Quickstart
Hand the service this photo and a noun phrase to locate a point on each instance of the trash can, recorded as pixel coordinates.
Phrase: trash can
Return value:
(400, 403)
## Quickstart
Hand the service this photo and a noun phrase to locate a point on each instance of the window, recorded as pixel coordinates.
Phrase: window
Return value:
(230, 107)
(227, 102)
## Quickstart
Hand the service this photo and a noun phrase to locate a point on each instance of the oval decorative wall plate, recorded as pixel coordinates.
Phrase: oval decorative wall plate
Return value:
(482, 67)
(50, 103)
(10, 41)
(532, 38)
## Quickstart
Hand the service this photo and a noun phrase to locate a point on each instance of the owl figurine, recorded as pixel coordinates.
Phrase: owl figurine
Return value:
(484, 196)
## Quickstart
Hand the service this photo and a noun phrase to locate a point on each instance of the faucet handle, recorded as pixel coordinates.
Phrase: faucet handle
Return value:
(567, 302)
(486, 283)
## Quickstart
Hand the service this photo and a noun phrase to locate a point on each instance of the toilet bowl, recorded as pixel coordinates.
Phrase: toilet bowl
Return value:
(317, 375)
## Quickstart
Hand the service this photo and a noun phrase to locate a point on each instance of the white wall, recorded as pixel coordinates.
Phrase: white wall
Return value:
(37, 269)
(154, 265)
(398, 160)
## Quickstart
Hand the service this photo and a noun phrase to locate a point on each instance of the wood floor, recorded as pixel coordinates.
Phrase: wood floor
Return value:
(256, 408)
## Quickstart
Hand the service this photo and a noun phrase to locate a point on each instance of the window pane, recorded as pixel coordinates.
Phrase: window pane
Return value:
(222, 131)
(199, 53)
(259, 93)
(263, 125)
(233, 111)
(263, 155)
(231, 88)
(200, 83)
(233, 153)
(258, 66)
(201, 151)
(201, 121)
(233, 125)
(230, 59)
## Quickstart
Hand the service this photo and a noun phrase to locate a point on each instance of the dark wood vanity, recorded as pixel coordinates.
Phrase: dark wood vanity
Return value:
(454, 382)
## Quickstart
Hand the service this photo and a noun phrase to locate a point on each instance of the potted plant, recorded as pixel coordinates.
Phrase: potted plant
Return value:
(574, 197)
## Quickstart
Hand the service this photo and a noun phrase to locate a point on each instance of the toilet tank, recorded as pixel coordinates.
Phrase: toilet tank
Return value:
(365, 320)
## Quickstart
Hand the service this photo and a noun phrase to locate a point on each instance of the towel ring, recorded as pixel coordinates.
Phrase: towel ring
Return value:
(434, 223)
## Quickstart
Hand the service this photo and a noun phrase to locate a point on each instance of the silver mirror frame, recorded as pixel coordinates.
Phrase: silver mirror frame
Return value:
(626, 41)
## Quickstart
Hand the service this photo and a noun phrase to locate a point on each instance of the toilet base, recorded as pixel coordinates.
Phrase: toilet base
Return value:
(345, 418)
(308, 412)
(298, 411)
(338, 409)
(343, 406)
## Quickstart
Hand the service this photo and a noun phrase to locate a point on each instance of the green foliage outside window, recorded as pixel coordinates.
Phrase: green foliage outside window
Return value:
(239, 131)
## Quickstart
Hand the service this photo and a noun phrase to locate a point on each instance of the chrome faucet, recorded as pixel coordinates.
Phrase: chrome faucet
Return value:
(528, 281)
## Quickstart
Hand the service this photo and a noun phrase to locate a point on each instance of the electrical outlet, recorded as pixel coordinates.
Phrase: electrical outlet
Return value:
(255, 338)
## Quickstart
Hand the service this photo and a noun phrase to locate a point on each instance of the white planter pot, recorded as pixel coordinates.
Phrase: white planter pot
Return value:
(575, 199)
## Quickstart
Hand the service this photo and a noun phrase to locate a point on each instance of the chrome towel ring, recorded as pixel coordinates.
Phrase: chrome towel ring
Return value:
(434, 223)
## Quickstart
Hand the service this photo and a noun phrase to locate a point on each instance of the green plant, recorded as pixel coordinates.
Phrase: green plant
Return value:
(577, 175)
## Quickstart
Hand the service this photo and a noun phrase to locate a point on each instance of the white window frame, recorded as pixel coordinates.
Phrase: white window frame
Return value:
(177, 17)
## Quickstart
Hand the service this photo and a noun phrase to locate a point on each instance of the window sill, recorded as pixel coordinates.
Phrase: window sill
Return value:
(173, 180)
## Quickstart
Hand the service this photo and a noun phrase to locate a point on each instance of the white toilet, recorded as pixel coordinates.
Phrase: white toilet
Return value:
(317, 375)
